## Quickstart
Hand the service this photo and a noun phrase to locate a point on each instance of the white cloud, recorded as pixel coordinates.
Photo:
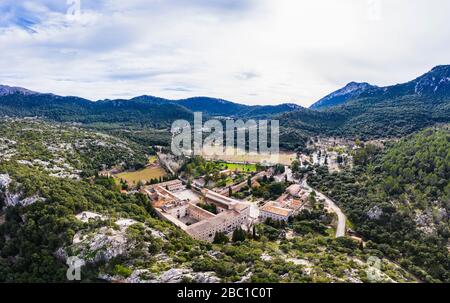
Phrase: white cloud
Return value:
(255, 51)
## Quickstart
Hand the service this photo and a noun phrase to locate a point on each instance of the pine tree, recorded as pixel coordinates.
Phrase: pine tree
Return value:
(239, 235)
(220, 238)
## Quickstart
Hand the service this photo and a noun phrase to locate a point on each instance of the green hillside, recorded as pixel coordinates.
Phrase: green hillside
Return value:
(400, 201)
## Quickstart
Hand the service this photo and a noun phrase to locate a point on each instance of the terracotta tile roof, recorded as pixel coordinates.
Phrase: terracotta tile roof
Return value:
(271, 208)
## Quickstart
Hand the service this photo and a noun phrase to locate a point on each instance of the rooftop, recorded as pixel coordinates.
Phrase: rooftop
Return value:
(219, 198)
(273, 207)
(212, 222)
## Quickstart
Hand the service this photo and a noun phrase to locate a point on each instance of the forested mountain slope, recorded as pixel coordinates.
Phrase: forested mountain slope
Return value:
(144, 110)
(362, 110)
(65, 150)
(399, 199)
(223, 108)
(44, 219)
(381, 112)
(151, 112)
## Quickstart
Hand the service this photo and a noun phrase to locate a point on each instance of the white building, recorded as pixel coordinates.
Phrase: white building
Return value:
(224, 222)
(273, 211)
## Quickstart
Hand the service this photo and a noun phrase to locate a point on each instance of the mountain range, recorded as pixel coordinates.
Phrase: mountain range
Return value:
(147, 110)
(368, 111)
(350, 91)
(358, 109)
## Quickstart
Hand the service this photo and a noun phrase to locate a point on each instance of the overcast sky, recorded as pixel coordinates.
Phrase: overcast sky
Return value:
(248, 51)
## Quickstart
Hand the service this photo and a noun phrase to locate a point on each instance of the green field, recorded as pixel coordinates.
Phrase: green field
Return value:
(238, 167)
(143, 175)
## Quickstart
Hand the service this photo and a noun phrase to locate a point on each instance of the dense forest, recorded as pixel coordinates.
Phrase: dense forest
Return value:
(40, 224)
(61, 148)
(376, 112)
(379, 112)
(31, 238)
(399, 200)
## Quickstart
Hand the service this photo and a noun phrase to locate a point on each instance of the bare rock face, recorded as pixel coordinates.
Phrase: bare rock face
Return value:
(5, 180)
(102, 246)
(14, 198)
(174, 275)
(140, 276)
(424, 221)
(9, 90)
(104, 243)
(178, 275)
(375, 213)
(206, 277)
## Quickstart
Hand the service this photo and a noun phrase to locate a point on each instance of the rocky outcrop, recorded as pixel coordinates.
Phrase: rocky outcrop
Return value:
(101, 245)
(425, 222)
(375, 213)
(174, 275)
(11, 198)
(104, 243)
(5, 180)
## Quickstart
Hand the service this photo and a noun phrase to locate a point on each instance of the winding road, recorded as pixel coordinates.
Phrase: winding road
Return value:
(340, 230)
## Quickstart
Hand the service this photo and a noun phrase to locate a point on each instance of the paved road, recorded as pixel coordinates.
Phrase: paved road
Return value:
(340, 231)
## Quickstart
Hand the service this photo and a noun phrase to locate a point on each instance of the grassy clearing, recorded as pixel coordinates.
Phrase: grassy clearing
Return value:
(238, 167)
(143, 175)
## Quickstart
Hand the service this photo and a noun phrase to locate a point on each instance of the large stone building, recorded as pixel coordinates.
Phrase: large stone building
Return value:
(196, 221)
(275, 212)
(173, 185)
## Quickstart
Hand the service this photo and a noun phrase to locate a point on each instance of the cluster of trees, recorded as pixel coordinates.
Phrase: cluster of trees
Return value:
(212, 208)
(138, 112)
(279, 169)
(198, 166)
(299, 171)
(381, 197)
(269, 189)
(313, 221)
(94, 157)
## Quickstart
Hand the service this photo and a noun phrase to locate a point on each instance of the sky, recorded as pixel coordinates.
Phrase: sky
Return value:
(246, 51)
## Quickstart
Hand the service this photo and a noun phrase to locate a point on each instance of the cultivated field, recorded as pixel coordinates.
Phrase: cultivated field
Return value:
(144, 175)
(285, 158)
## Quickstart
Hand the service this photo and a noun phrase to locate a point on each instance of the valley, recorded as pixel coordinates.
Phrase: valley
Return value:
(364, 173)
